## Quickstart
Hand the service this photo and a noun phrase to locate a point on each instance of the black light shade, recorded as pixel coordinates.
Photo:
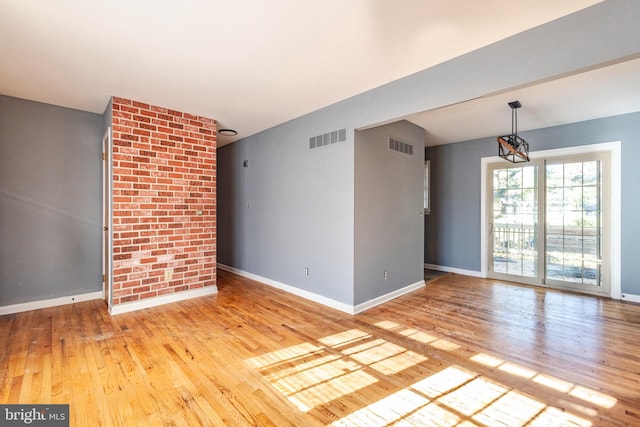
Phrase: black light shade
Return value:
(511, 147)
(227, 132)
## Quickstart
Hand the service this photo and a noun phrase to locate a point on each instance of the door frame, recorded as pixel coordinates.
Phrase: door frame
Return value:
(107, 203)
(537, 281)
(615, 150)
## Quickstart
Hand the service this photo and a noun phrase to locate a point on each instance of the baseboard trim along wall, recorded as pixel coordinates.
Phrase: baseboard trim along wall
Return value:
(340, 306)
(630, 297)
(471, 273)
(162, 300)
(53, 302)
(388, 297)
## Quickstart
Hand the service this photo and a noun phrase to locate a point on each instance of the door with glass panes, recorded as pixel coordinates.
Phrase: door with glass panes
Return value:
(548, 222)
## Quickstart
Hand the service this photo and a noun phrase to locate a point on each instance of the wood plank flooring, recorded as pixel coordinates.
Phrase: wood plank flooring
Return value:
(460, 352)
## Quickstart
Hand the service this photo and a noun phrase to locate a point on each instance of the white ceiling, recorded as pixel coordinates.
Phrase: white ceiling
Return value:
(253, 64)
(603, 92)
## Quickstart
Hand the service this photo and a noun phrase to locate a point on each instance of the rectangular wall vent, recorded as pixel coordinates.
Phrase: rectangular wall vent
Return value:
(400, 146)
(328, 138)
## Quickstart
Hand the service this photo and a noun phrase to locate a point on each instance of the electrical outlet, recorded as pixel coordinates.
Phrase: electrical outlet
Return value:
(386, 275)
(168, 274)
(306, 271)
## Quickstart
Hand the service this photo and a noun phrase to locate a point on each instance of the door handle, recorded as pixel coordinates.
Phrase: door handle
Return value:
(105, 228)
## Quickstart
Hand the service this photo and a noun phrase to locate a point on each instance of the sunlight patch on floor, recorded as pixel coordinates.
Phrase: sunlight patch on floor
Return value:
(444, 381)
(511, 409)
(445, 345)
(317, 378)
(487, 360)
(554, 417)
(313, 361)
(393, 407)
(383, 356)
(586, 394)
(576, 407)
(552, 382)
(419, 336)
(323, 385)
(593, 396)
(289, 354)
(311, 375)
(473, 396)
(423, 337)
(344, 338)
(517, 370)
(398, 363)
(458, 397)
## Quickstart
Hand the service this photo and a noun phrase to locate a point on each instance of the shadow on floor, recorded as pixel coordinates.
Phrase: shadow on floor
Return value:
(430, 275)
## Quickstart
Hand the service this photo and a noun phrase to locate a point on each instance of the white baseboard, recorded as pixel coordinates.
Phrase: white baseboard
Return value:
(471, 273)
(630, 297)
(388, 297)
(53, 302)
(162, 299)
(340, 306)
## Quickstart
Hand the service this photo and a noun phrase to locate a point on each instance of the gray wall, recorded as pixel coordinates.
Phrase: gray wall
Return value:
(294, 207)
(455, 193)
(388, 210)
(291, 209)
(452, 231)
(50, 201)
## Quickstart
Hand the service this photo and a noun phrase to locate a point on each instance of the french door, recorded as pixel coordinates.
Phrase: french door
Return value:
(549, 222)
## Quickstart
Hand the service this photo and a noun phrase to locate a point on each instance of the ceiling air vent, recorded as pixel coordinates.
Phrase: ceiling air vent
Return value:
(400, 146)
(328, 138)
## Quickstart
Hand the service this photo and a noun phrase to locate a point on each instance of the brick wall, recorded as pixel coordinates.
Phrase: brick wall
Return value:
(164, 201)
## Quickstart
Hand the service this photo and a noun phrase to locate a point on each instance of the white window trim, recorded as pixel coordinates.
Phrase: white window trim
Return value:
(615, 148)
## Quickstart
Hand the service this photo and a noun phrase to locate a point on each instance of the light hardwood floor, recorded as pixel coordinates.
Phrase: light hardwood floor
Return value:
(462, 351)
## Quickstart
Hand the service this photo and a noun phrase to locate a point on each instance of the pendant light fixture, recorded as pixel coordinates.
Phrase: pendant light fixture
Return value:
(511, 147)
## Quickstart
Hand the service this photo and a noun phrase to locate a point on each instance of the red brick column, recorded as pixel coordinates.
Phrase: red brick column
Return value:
(164, 201)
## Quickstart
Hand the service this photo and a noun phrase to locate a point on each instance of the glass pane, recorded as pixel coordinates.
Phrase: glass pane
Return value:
(529, 177)
(591, 248)
(572, 220)
(515, 178)
(555, 200)
(499, 178)
(555, 175)
(529, 198)
(590, 219)
(590, 172)
(573, 197)
(572, 248)
(514, 267)
(572, 174)
(591, 273)
(590, 198)
(499, 267)
(554, 267)
(555, 222)
(573, 243)
(514, 221)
